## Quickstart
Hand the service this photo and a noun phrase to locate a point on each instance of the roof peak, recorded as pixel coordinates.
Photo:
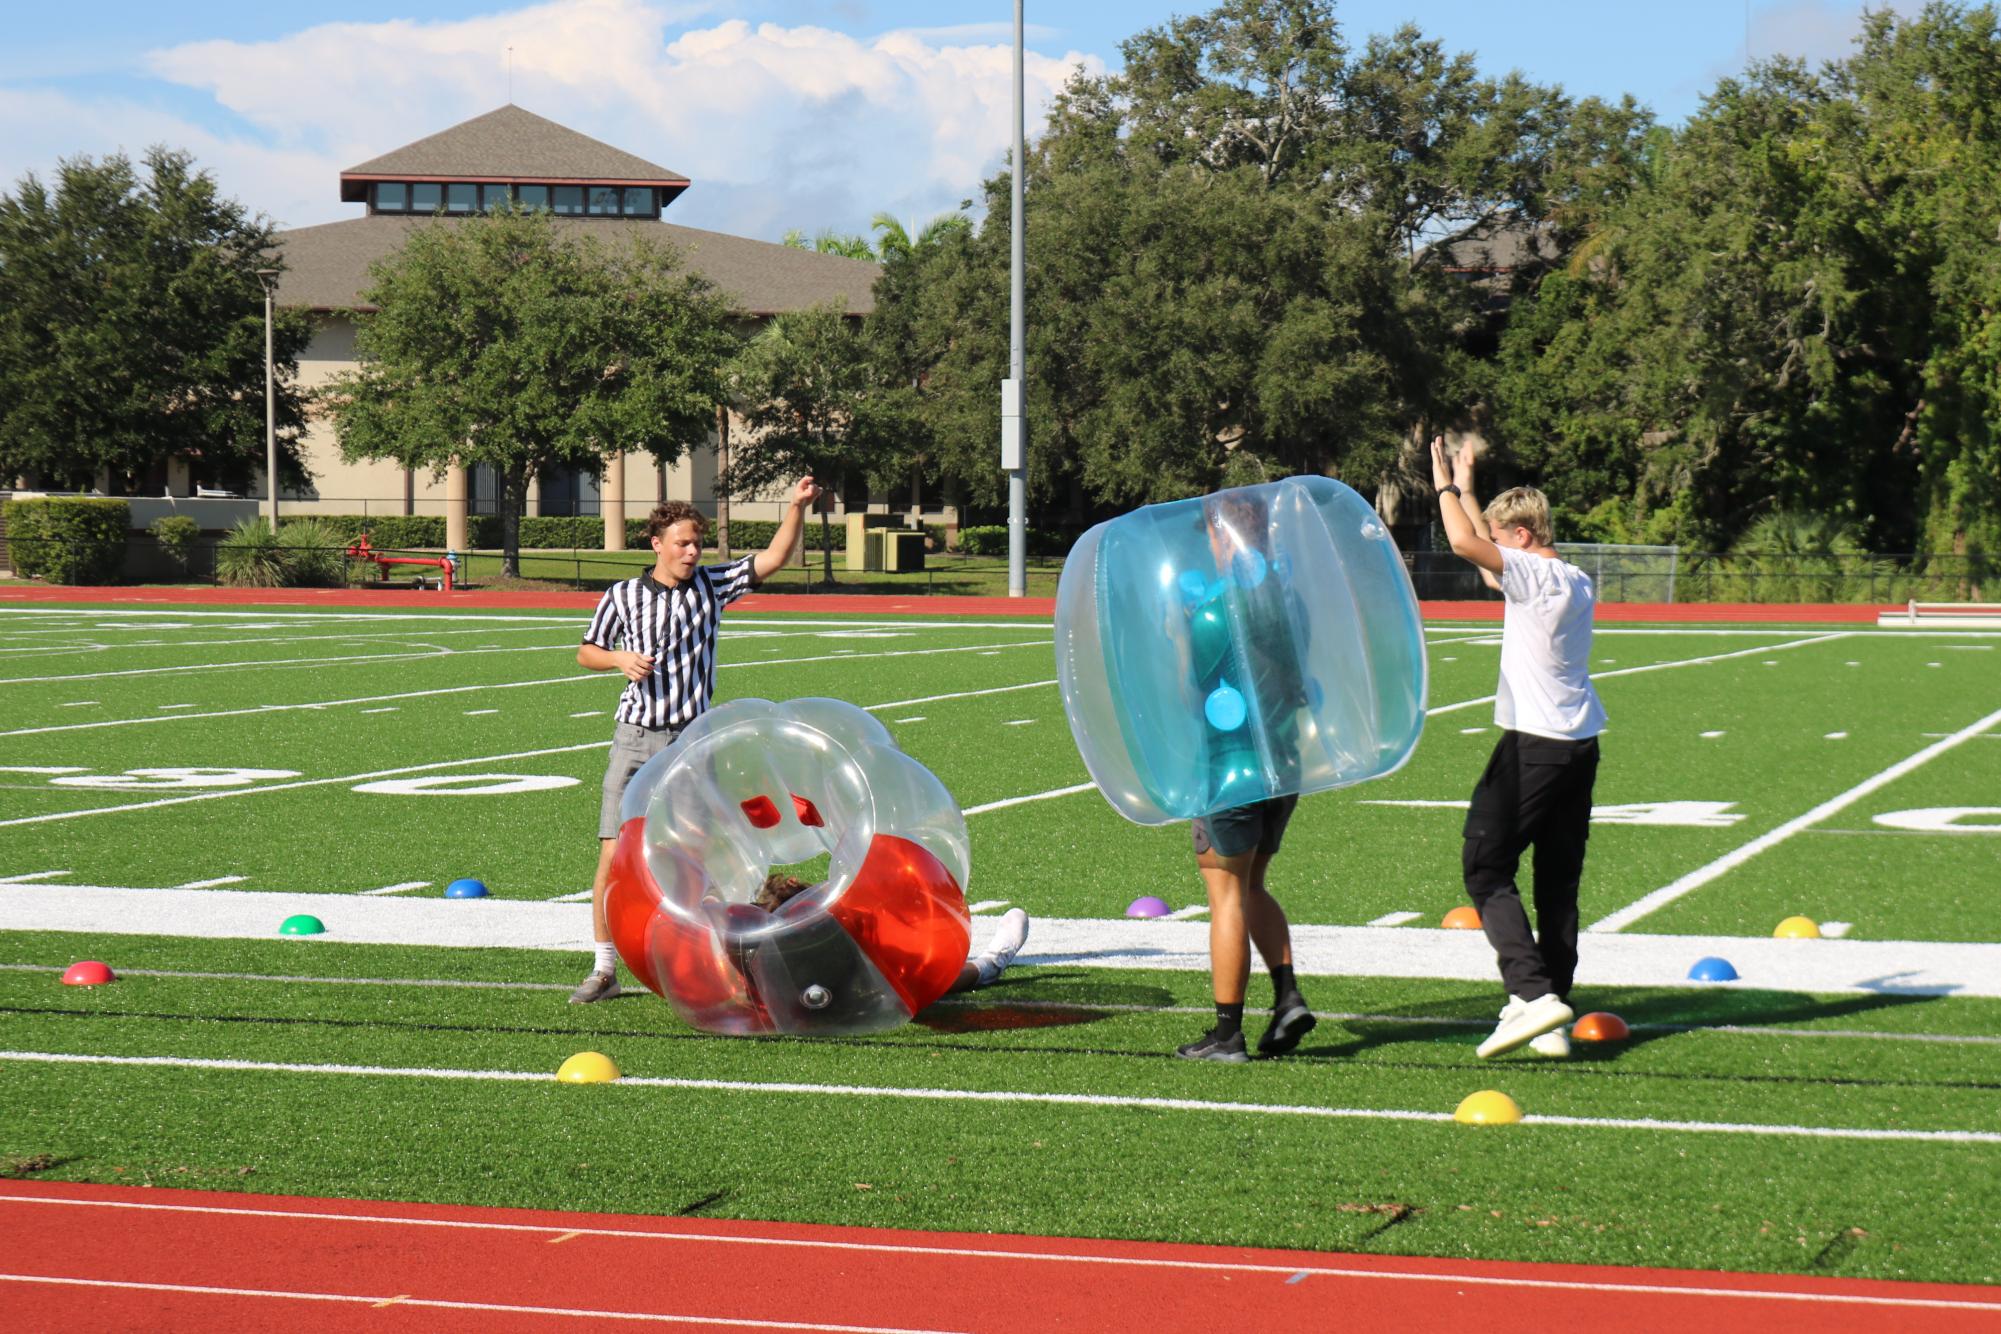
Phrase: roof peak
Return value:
(513, 143)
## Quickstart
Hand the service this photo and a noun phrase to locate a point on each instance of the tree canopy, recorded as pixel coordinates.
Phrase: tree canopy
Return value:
(1238, 253)
(510, 341)
(132, 325)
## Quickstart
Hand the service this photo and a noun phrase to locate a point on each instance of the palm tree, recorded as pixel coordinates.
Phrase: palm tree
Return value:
(896, 242)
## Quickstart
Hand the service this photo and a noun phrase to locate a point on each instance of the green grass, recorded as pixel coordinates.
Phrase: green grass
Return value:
(1898, 1209)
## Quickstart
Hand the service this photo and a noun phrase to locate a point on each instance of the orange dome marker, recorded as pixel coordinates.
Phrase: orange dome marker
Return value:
(1463, 918)
(1600, 1026)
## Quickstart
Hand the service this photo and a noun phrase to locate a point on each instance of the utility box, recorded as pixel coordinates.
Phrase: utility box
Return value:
(902, 549)
(863, 553)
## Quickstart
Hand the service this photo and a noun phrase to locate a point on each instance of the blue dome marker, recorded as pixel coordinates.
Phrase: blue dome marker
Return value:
(465, 889)
(1712, 969)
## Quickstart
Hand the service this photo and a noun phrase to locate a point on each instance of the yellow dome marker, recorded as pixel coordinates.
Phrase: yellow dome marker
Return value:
(588, 1067)
(1488, 1107)
(1797, 928)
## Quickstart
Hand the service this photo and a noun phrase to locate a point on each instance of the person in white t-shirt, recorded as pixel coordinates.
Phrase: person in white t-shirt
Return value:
(1536, 790)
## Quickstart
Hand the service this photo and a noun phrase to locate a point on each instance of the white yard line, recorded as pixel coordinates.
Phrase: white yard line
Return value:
(215, 882)
(403, 888)
(1729, 861)
(502, 685)
(353, 659)
(958, 694)
(307, 782)
(1019, 1096)
(1861, 967)
(1003, 804)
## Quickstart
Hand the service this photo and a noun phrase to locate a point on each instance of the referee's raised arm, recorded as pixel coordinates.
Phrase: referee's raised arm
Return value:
(773, 558)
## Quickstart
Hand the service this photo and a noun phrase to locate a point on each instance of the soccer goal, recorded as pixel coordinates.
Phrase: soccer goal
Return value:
(1625, 573)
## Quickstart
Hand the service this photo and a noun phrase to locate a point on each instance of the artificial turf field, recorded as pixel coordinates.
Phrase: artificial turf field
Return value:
(1750, 773)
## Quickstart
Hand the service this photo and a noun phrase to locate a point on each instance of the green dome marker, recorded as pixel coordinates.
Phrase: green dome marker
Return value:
(302, 924)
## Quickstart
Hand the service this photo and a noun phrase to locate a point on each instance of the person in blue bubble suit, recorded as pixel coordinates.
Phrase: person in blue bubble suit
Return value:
(1234, 847)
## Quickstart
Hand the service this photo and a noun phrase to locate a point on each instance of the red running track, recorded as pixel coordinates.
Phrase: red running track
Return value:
(79, 1257)
(1754, 613)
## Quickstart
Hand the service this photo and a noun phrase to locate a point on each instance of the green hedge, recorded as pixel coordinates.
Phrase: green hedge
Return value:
(67, 540)
(559, 532)
(991, 540)
(387, 532)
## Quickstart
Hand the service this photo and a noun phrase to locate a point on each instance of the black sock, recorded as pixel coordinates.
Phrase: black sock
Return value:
(1229, 1019)
(1283, 987)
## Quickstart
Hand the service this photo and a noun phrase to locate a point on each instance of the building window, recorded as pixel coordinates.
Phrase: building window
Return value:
(569, 491)
(569, 198)
(638, 203)
(492, 197)
(533, 196)
(854, 492)
(461, 197)
(604, 200)
(392, 197)
(426, 197)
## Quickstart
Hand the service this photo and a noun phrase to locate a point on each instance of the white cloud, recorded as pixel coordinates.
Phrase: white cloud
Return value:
(1814, 30)
(40, 127)
(778, 126)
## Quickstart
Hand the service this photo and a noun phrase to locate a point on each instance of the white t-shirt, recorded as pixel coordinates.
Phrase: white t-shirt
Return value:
(1545, 685)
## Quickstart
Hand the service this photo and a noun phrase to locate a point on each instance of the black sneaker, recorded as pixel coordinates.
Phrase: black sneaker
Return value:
(1291, 1022)
(1209, 1047)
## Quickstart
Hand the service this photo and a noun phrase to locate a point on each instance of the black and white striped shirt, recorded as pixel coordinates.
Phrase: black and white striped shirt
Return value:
(676, 627)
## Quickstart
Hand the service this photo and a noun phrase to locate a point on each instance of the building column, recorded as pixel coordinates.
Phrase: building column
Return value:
(612, 502)
(457, 487)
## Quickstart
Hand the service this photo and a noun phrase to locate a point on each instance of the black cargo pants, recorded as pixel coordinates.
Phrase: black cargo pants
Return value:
(1536, 792)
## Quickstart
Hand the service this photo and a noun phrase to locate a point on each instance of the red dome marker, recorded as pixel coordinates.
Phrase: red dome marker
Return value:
(88, 973)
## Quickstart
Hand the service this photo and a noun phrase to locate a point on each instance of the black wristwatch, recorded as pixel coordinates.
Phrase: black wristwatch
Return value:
(1448, 490)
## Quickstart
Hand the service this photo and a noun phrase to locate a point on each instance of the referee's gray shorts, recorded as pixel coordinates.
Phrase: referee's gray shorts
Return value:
(631, 747)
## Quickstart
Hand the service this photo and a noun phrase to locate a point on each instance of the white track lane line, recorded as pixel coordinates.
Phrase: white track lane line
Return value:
(436, 1304)
(1870, 1133)
(1729, 861)
(1609, 1283)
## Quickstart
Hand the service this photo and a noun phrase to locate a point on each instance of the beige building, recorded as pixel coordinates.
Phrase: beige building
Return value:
(512, 156)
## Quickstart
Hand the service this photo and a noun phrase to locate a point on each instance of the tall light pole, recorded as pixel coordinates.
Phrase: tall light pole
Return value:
(1014, 442)
(269, 279)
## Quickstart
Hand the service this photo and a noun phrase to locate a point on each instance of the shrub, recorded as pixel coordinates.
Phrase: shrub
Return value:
(991, 540)
(67, 540)
(314, 554)
(176, 535)
(249, 556)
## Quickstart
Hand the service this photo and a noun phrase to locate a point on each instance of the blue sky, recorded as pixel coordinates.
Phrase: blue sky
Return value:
(786, 113)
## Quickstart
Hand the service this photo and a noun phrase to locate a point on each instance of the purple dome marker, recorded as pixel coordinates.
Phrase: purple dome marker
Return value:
(1147, 905)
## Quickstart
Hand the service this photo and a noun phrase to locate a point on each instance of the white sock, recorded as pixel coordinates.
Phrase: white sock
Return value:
(607, 958)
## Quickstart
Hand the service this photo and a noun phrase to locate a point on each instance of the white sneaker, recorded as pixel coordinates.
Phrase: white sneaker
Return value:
(1552, 1044)
(1522, 1020)
(1009, 937)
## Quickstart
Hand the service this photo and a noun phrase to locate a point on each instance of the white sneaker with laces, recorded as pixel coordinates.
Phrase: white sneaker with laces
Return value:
(1523, 1020)
(1552, 1044)
(1008, 938)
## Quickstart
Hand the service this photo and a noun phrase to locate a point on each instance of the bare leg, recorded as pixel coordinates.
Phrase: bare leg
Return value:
(1269, 930)
(1229, 936)
(600, 930)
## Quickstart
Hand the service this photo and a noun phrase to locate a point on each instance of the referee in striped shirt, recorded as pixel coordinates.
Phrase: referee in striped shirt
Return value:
(659, 632)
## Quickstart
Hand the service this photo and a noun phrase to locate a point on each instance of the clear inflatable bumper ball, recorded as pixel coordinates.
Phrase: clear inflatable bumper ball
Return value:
(751, 786)
(1248, 644)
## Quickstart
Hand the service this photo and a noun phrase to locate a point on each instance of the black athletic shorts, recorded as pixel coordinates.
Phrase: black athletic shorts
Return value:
(1258, 827)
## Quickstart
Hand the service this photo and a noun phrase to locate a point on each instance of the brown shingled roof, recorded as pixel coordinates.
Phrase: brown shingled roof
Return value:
(510, 144)
(326, 267)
